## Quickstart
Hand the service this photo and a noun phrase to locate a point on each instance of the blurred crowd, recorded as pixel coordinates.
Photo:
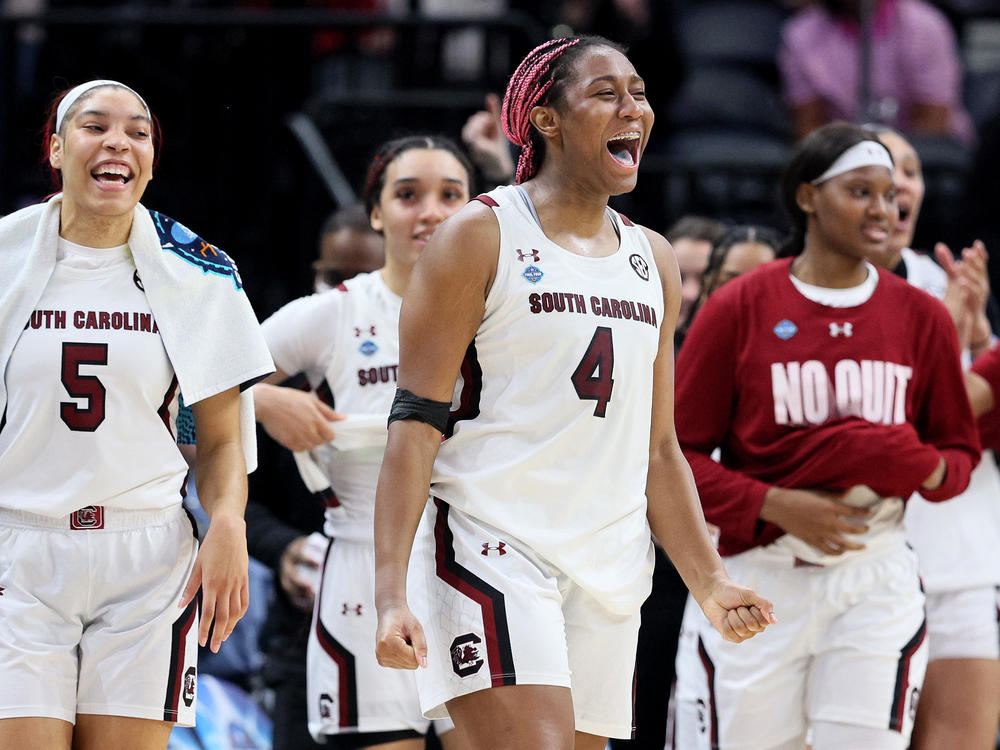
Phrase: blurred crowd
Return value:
(734, 84)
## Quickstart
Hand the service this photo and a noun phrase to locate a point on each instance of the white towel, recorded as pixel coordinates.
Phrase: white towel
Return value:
(355, 432)
(207, 325)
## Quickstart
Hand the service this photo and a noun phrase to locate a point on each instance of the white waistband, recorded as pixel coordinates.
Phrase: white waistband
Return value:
(93, 518)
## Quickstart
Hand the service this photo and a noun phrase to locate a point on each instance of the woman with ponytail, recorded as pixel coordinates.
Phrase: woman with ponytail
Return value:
(555, 315)
(834, 391)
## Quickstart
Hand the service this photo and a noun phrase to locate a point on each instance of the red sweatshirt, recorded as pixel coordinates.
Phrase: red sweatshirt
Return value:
(987, 365)
(798, 394)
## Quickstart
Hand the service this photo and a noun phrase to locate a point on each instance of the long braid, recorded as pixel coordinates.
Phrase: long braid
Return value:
(528, 88)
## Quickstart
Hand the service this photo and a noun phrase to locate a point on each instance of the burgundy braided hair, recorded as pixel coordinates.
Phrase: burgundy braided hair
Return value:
(537, 82)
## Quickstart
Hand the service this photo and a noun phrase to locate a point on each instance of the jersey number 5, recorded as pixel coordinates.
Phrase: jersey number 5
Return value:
(592, 377)
(89, 387)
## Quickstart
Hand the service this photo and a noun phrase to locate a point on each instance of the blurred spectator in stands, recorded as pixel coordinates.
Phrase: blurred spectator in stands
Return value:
(916, 77)
(692, 238)
(487, 145)
(282, 515)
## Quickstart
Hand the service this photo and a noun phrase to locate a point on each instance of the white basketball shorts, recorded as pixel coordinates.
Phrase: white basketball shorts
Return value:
(964, 624)
(849, 647)
(89, 616)
(497, 614)
(349, 692)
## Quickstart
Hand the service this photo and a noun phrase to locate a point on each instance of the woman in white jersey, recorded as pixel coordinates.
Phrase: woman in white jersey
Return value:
(833, 391)
(958, 542)
(558, 315)
(346, 343)
(109, 310)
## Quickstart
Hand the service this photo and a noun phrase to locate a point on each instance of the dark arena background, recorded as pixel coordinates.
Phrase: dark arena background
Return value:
(270, 109)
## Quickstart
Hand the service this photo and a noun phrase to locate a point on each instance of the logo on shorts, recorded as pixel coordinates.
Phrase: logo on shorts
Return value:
(325, 706)
(190, 681)
(498, 548)
(89, 517)
(639, 265)
(914, 699)
(465, 658)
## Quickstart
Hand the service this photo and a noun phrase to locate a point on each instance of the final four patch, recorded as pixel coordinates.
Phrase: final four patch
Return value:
(785, 329)
(185, 244)
(368, 348)
(533, 274)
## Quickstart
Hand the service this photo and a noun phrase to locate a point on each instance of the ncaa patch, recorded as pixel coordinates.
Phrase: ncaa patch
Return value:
(533, 274)
(368, 348)
(785, 329)
(189, 247)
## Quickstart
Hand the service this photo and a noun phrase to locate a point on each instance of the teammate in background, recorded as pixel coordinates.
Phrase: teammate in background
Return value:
(100, 567)
(347, 247)
(346, 343)
(739, 250)
(692, 238)
(284, 521)
(958, 542)
(559, 314)
(834, 392)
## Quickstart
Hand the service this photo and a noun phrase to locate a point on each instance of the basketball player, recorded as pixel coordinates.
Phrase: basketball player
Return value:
(107, 310)
(958, 542)
(346, 342)
(559, 314)
(834, 391)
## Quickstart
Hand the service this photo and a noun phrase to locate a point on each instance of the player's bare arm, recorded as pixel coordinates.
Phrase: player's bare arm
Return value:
(441, 312)
(296, 419)
(674, 511)
(221, 568)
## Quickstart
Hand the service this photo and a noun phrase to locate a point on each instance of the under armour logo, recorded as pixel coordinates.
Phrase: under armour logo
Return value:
(498, 548)
(845, 329)
(523, 256)
(349, 608)
(359, 331)
(1, 590)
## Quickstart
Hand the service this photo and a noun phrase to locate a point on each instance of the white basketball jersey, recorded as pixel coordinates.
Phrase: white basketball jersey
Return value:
(92, 396)
(549, 434)
(346, 341)
(957, 541)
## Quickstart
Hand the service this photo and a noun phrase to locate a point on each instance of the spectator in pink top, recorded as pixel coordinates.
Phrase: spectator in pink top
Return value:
(916, 76)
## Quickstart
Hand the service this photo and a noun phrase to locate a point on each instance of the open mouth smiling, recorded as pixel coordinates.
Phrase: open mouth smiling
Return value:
(112, 174)
(624, 148)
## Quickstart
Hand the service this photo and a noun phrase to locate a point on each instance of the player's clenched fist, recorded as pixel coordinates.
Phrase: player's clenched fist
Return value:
(399, 640)
(738, 613)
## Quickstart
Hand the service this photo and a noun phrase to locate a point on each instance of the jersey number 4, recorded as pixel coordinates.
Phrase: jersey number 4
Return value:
(89, 387)
(592, 377)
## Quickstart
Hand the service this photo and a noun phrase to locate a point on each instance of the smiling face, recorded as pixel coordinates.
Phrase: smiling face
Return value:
(602, 120)
(909, 178)
(422, 188)
(852, 214)
(104, 154)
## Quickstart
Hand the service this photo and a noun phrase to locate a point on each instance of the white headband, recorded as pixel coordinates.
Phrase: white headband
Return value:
(863, 154)
(75, 93)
